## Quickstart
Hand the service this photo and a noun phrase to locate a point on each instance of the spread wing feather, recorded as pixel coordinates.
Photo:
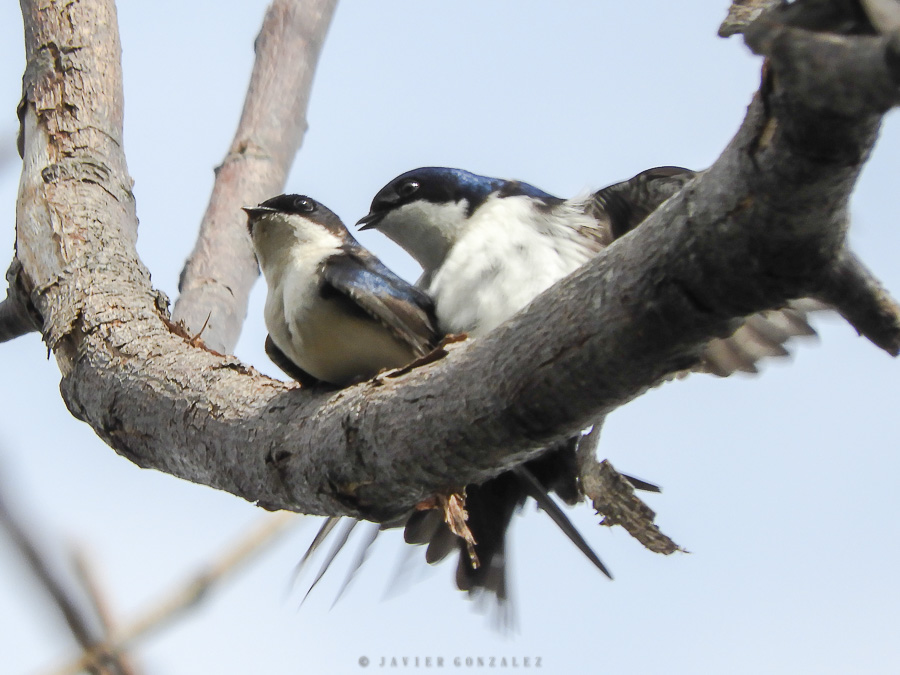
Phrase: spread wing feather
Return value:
(627, 204)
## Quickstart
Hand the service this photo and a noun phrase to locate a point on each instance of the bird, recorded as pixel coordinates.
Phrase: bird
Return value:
(335, 313)
(487, 247)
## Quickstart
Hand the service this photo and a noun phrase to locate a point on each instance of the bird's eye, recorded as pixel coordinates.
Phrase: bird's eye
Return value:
(305, 204)
(407, 188)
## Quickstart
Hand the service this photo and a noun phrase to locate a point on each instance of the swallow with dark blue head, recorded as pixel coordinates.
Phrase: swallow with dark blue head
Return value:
(488, 247)
(334, 312)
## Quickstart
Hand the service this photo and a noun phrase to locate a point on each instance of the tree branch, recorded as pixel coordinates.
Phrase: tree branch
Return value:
(766, 223)
(85, 626)
(612, 496)
(216, 280)
(884, 15)
(860, 298)
(184, 597)
(101, 609)
(742, 13)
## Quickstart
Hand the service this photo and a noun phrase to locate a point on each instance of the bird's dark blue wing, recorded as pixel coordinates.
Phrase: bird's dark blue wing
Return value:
(402, 308)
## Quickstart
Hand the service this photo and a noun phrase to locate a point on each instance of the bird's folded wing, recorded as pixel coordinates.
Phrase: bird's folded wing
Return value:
(403, 309)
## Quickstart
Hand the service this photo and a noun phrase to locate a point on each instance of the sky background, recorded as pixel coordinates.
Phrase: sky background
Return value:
(782, 486)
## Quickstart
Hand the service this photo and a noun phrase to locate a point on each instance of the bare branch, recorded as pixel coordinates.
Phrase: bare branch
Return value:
(860, 298)
(863, 71)
(765, 224)
(742, 13)
(613, 497)
(216, 280)
(101, 609)
(84, 627)
(188, 595)
(884, 15)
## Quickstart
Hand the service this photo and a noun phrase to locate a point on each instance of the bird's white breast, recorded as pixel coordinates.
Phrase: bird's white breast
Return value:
(319, 335)
(508, 254)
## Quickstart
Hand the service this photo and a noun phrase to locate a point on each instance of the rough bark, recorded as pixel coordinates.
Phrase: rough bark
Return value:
(766, 223)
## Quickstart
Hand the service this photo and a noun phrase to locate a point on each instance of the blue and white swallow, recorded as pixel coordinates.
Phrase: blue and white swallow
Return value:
(488, 247)
(334, 312)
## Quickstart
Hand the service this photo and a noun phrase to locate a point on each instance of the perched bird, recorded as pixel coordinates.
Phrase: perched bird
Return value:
(334, 312)
(489, 246)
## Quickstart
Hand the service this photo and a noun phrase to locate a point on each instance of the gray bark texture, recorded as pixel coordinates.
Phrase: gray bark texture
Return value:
(765, 224)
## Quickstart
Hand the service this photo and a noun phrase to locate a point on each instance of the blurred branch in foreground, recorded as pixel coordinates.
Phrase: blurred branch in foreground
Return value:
(86, 626)
(186, 596)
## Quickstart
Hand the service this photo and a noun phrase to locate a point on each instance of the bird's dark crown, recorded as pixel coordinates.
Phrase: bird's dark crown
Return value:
(308, 208)
(443, 185)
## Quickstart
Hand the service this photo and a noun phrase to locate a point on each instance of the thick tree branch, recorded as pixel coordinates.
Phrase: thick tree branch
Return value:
(216, 280)
(766, 223)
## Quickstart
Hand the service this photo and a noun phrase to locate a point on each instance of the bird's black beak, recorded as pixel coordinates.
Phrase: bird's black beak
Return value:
(370, 221)
(254, 213)
(257, 211)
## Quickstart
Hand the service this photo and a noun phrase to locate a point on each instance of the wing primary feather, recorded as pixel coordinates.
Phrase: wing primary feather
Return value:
(536, 490)
(342, 537)
(361, 555)
(639, 484)
(323, 532)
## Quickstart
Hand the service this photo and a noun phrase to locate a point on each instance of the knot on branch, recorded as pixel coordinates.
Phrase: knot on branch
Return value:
(828, 55)
(18, 315)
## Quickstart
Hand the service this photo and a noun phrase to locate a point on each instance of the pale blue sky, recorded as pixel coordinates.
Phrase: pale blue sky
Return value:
(783, 487)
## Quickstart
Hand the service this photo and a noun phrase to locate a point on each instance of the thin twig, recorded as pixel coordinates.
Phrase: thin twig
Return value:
(87, 575)
(187, 595)
(78, 618)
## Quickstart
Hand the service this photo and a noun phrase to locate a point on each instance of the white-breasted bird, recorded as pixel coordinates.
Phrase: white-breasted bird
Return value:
(488, 247)
(334, 312)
